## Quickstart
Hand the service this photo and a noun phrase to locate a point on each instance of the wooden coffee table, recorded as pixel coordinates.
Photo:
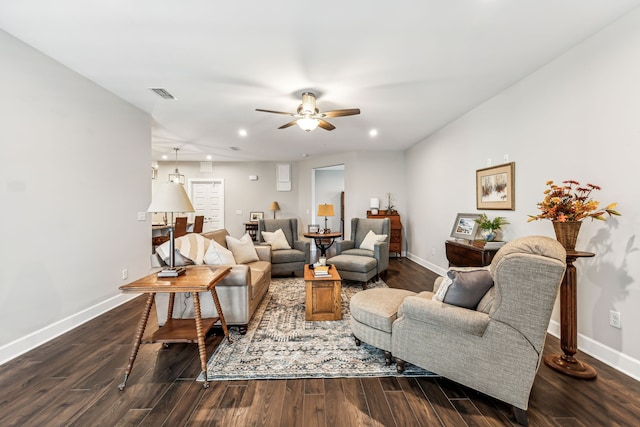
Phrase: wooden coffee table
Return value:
(324, 295)
(196, 279)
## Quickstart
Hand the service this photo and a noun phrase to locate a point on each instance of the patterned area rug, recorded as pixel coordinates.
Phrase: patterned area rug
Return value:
(280, 344)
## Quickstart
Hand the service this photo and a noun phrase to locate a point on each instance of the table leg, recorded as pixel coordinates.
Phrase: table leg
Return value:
(223, 322)
(567, 363)
(202, 348)
(136, 345)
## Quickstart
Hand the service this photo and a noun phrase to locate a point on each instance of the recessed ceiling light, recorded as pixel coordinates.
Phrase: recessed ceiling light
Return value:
(242, 132)
(209, 157)
(373, 132)
(305, 155)
(165, 157)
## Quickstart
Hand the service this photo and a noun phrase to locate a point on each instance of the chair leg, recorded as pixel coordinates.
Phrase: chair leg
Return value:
(521, 416)
(400, 365)
(358, 342)
(388, 359)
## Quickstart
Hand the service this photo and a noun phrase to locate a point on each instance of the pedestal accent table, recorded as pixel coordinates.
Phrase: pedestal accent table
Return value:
(567, 363)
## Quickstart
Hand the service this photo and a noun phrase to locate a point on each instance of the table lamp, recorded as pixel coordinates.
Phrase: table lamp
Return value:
(325, 211)
(274, 207)
(171, 197)
(374, 204)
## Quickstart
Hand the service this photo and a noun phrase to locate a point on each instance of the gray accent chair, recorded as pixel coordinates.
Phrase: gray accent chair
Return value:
(286, 262)
(495, 350)
(359, 229)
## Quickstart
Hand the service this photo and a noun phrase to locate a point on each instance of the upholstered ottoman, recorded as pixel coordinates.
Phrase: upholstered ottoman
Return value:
(355, 267)
(373, 311)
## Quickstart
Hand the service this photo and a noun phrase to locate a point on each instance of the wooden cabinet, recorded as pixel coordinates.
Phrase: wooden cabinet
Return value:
(395, 239)
(465, 255)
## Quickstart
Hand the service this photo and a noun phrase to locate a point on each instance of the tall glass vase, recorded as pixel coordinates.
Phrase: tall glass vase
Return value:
(567, 233)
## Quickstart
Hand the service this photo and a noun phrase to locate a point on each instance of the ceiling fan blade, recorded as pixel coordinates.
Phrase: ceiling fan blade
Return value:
(341, 113)
(325, 125)
(288, 124)
(275, 112)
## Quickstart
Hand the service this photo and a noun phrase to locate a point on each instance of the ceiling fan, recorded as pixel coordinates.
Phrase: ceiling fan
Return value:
(308, 116)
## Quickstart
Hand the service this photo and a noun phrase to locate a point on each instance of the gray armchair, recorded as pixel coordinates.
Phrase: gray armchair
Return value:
(359, 229)
(286, 262)
(496, 348)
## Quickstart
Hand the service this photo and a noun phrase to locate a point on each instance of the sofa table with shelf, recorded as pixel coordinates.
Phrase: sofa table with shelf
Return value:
(195, 280)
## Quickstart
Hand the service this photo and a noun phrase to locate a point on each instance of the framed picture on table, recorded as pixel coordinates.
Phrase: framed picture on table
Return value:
(313, 228)
(465, 226)
(255, 216)
(495, 187)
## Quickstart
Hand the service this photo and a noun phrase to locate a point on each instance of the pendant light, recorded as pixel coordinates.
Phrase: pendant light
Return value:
(176, 177)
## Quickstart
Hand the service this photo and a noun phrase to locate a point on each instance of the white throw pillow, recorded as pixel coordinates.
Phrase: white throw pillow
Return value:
(371, 239)
(242, 249)
(218, 255)
(277, 239)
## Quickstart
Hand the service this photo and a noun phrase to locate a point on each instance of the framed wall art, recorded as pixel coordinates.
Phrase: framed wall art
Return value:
(495, 187)
(465, 226)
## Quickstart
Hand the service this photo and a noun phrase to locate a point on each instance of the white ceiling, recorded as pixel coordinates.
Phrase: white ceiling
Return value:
(410, 66)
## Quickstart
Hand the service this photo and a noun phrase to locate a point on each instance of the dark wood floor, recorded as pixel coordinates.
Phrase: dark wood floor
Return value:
(73, 380)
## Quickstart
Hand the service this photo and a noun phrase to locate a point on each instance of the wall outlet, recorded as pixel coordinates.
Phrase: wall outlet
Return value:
(433, 251)
(125, 274)
(489, 161)
(505, 158)
(614, 319)
(142, 216)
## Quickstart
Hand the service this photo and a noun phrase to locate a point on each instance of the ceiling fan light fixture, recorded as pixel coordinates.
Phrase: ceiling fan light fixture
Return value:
(307, 124)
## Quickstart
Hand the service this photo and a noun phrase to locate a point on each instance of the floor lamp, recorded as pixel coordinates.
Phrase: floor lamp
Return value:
(171, 197)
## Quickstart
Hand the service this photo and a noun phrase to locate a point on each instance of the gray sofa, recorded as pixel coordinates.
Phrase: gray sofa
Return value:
(497, 347)
(240, 292)
(286, 262)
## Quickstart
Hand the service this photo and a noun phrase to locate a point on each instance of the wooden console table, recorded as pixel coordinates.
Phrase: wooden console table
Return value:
(196, 279)
(567, 363)
(466, 255)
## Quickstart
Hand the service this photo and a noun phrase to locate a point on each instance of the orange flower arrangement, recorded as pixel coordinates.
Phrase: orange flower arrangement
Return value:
(571, 202)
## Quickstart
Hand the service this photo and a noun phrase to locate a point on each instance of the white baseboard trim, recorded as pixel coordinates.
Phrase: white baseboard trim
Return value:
(29, 342)
(619, 361)
(426, 264)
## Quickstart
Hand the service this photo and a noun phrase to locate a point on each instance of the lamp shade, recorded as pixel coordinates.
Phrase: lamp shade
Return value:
(170, 197)
(374, 203)
(274, 206)
(325, 210)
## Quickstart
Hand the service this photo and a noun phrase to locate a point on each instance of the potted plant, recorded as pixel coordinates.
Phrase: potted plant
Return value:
(489, 227)
(567, 205)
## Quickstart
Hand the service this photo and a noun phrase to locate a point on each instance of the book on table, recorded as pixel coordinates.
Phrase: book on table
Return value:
(321, 271)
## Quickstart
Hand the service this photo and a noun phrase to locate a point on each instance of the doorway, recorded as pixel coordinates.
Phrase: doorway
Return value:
(207, 197)
(328, 187)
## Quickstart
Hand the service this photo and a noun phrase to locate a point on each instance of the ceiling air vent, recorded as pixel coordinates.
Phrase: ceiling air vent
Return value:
(163, 93)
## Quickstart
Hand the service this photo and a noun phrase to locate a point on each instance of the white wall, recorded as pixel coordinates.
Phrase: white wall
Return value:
(74, 174)
(366, 175)
(241, 194)
(576, 118)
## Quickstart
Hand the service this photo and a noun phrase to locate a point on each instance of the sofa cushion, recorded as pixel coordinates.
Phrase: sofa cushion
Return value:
(276, 239)
(242, 249)
(371, 239)
(192, 246)
(218, 255)
(358, 252)
(287, 255)
(464, 287)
